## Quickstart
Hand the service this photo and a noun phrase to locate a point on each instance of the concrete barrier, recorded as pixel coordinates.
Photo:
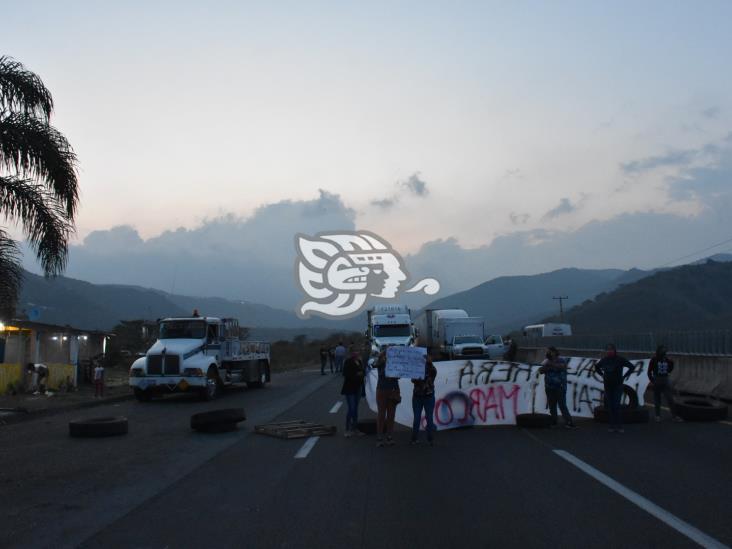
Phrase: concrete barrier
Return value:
(702, 375)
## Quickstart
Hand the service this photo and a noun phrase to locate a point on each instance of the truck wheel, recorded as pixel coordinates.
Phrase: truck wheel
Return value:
(211, 390)
(262, 378)
(142, 395)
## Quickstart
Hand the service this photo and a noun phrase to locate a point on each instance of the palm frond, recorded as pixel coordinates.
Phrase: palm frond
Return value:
(11, 275)
(44, 220)
(23, 90)
(37, 150)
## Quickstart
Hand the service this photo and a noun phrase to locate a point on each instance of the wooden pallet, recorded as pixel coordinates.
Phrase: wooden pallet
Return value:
(295, 429)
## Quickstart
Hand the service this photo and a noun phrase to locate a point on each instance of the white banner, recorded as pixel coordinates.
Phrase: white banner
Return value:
(406, 362)
(490, 392)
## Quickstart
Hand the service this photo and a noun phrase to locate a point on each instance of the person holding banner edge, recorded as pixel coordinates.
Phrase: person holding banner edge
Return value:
(423, 398)
(388, 398)
(554, 369)
(611, 367)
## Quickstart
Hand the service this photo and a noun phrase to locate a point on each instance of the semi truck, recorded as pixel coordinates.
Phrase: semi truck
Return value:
(201, 355)
(434, 330)
(389, 324)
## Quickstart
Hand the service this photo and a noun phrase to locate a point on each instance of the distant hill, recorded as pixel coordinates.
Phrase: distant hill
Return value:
(692, 297)
(510, 302)
(89, 306)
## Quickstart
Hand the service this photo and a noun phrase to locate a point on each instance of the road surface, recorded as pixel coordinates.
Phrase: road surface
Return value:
(163, 485)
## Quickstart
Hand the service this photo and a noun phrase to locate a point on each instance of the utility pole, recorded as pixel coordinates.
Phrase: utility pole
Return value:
(561, 299)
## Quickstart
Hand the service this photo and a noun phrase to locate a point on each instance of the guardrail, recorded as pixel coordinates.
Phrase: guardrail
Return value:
(698, 343)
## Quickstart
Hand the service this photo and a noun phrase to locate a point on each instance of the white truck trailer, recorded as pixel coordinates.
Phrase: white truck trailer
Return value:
(389, 324)
(199, 354)
(430, 328)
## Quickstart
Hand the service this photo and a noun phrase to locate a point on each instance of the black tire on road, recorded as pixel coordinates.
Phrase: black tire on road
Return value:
(697, 409)
(627, 415)
(142, 395)
(217, 421)
(367, 426)
(98, 427)
(534, 421)
(632, 396)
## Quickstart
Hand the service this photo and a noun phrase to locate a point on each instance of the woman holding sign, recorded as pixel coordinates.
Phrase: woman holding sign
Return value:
(388, 397)
(423, 398)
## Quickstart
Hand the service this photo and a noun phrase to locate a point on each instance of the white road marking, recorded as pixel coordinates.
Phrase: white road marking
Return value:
(336, 407)
(648, 506)
(303, 452)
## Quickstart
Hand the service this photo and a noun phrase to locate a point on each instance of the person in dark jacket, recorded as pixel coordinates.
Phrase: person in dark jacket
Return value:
(323, 359)
(423, 398)
(388, 397)
(352, 382)
(659, 370)
(511, 349)
(554, 369)
(611, 367)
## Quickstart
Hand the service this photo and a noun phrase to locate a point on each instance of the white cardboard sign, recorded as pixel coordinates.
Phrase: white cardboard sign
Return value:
(407, 362)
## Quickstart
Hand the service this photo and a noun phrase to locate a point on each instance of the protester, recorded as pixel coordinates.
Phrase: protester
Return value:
(388, 397)
(659, 370)
(611, 367)
(323, 359)
(511, 349)
(99, 381)
(353, 371)
(340, 356)
(554, 369)
(331, 358)
(365, 357)
(423, 398)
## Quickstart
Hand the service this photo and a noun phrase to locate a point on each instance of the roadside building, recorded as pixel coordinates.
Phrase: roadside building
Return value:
(61, 348)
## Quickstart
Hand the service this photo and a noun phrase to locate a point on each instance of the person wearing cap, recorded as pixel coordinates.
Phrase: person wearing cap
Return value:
(611, 368)
(659, 371)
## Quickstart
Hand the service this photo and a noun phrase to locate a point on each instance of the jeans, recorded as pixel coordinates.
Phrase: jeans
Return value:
(662, 387)
(554, 396)
(352, 412)
(385, 412)
(613, 396)
(323, 360)
(426, 403)
(339, 363)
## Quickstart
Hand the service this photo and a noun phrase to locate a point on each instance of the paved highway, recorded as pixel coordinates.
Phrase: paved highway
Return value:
(162, 485)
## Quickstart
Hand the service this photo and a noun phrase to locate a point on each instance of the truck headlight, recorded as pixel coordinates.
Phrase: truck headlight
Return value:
(193, 372)
(137, 372)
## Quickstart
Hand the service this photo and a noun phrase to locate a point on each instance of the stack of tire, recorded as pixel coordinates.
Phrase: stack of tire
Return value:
(629, 412)
(700, 409)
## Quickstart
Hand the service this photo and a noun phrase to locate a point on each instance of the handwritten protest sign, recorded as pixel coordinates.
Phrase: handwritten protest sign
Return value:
(493, 392)
(405, 362)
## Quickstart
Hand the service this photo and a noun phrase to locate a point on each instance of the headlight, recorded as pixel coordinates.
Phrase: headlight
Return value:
(193, 372)
(137, 372)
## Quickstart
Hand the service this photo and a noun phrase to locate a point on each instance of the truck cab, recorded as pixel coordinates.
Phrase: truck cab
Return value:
(389, 325)
(202, 354)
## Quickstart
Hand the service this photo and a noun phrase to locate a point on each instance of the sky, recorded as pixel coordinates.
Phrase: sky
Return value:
(465, 127)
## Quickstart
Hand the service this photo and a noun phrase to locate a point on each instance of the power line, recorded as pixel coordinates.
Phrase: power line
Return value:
(695, 253)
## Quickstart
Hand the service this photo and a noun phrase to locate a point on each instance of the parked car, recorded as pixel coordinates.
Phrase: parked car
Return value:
(495, 348)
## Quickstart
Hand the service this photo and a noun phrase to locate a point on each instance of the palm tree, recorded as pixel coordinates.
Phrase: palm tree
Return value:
(39, 190)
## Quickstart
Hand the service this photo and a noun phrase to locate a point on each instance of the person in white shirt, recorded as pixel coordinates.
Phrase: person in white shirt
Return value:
(340, 356)
(99, 381)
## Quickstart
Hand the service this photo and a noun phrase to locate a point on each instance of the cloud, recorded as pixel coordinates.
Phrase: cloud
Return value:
(704, 183)
(711, 112)
(415, 185)
(384, 203)
(672, 158)
(563, 208)
(519, 219)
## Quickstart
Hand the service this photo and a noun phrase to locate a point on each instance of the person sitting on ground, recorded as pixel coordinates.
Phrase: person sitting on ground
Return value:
(611, 367)
(659, 371)
(554, 369)
(353, 372)
(423, 398)
(388, 397)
